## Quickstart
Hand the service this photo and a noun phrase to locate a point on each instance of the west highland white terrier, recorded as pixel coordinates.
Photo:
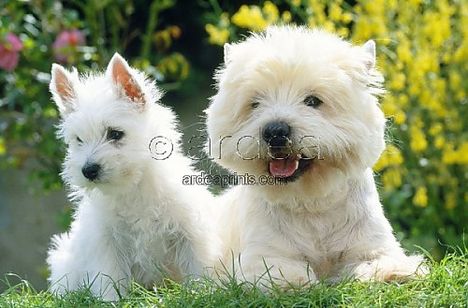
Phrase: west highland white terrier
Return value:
(299, 106)
(134, 220)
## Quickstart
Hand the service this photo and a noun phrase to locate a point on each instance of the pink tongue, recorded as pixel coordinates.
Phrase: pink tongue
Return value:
(283, 168)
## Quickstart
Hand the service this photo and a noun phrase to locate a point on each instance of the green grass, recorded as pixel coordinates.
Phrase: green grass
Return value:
(445, 286)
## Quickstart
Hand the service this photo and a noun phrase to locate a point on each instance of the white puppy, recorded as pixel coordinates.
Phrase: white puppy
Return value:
(299, 106)
(134, 220)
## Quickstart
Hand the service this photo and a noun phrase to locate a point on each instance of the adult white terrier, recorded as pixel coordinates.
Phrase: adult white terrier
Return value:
(134, 220)
(300, 106)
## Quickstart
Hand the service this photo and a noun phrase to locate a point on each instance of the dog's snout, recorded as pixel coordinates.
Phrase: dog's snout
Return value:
(277, 133)
(91, 171)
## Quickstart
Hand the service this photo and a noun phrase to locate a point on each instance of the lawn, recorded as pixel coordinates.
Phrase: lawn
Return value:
(445, 286)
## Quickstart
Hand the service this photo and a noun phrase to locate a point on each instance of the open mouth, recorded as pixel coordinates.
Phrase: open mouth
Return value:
(288, 168)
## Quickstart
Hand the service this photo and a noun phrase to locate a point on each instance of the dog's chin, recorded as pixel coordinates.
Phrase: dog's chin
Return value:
(108, 185)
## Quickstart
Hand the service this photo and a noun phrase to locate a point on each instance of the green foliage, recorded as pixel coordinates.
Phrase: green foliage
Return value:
(84, 34)
(445, 286)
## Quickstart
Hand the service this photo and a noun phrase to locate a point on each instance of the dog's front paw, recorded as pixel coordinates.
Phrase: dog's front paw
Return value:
(286, 275)
(390, 269)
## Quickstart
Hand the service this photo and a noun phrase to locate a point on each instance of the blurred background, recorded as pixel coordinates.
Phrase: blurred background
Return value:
(422, 49)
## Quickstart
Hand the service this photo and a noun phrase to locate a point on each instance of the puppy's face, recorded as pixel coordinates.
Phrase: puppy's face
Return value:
(297, 105)
(103, 125)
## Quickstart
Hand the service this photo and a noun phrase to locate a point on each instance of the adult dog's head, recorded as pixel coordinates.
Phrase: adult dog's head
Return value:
(298, 105)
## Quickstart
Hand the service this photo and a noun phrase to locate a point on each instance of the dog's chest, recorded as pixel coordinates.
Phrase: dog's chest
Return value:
(144, 246)
(319, 239)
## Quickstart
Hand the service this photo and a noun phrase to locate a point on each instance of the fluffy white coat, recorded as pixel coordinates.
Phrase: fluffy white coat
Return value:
(136, 222)
(329, 222)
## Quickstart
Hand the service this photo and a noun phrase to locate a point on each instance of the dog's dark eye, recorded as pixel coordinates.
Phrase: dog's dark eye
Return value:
(114, 134)
(312, 101)
(254, 105)
(78, 139)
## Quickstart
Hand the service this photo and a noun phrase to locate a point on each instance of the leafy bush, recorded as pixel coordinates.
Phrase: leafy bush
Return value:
(423, 53)
(34, 34)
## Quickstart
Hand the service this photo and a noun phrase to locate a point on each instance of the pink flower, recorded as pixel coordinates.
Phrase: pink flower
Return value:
(66, 43)
(10, 47)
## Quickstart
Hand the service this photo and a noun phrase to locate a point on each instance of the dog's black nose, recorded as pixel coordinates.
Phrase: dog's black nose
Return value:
(277, 133)
(91, 171)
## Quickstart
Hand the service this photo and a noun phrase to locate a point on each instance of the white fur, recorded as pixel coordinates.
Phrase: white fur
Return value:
(329, 223)
(138, 222)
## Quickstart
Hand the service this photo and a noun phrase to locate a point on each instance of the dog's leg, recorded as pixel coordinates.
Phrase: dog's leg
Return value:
(195, 252)
(188, 257)
(386, 267)
(75, 267)
(87, 257)
(374, 254)
(282, 271)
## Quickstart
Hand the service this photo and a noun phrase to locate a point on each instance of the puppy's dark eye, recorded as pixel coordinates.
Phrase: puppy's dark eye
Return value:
(254, 105)
(114, 134)
(312, 101)
(78, 139)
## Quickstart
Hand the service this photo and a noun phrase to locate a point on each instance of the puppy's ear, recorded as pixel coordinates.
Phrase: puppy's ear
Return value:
(227, 52)
(369, 48)
(62, 89)
(122, 77)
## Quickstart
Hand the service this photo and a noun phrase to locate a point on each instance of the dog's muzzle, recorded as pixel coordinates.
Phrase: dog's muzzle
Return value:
(91, 171)
(283, 162)
(276, 135)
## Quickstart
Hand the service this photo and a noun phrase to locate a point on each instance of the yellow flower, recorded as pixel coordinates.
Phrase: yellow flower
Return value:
(217, 36)
(318, 11)
(400, 117)
(296, 2)
(462, 154)
(391, 179)
(449, 156)
(452, 156)
(343, 32)
(415, 2)
(249, 17)
(418, 139)
(334, 12)
(439, 142)
(174, 66)
(451, 200)
(403, 100)
(398, 81)
(436, 129)
(362, 29)
(286, 16)
(455, 80)
(374, 7)
(437, 27)
(271, 12)
(329, 26)
(346, 17)
(404, 52)
(420, 197)
(390, 157)
(2, 146)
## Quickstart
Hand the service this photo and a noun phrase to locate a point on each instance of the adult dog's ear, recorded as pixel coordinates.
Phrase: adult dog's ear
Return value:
(62, 89)
(369, 48)
(124, 80)
(227, 51)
